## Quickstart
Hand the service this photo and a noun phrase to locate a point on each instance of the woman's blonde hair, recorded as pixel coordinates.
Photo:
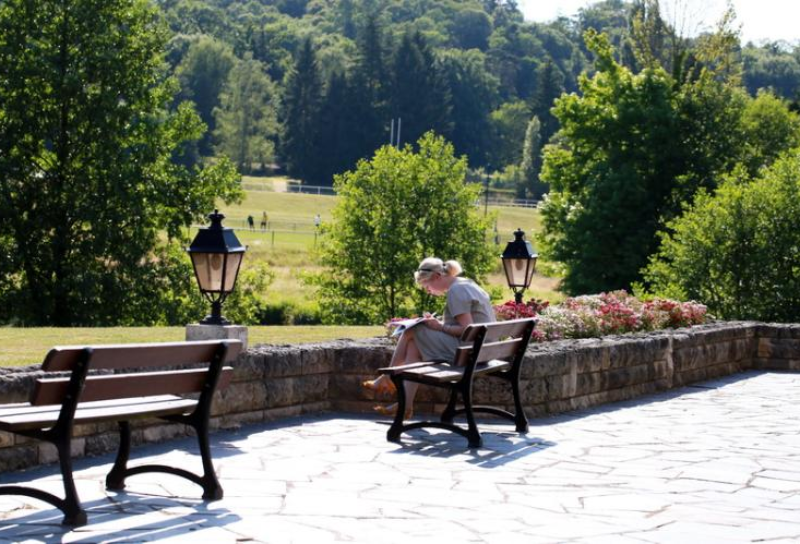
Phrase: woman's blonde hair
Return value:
(432, 265)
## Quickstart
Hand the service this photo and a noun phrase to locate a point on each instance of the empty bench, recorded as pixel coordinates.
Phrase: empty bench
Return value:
(490, 349)
(81, 397)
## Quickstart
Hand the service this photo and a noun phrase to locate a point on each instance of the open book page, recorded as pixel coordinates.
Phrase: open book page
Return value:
(403, 325)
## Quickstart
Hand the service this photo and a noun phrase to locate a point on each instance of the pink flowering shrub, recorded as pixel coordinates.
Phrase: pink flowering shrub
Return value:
(616, 312)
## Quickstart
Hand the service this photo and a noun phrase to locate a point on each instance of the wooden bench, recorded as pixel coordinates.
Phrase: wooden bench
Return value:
(496, 349)
(58, 403)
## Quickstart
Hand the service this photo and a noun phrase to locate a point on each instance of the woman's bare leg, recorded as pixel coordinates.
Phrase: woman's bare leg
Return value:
(412, 355)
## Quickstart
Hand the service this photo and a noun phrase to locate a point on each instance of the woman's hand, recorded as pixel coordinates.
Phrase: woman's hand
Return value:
(432, 322)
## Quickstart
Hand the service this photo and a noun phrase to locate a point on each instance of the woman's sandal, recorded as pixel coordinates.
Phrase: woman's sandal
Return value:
(389, 410)
(381, 386)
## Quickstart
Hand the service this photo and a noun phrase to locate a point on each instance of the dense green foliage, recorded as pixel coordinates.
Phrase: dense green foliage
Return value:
(394, 210)
(738, 249)
(246, 118)
(471, 71)
(92, 192)
(634, 146)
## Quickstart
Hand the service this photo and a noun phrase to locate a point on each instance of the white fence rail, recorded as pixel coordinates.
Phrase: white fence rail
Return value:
(329, 191)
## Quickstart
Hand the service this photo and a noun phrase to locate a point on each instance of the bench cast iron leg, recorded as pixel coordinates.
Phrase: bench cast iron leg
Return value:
(74, 514)
(450, 410)
(520, 420)
(116, 477)
(473, 435)
(212, 490)
(393, 434)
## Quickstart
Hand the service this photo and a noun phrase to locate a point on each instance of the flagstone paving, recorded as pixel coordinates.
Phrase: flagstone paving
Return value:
(718, 462)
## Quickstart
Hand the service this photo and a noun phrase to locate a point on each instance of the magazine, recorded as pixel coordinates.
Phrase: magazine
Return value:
(404, 324)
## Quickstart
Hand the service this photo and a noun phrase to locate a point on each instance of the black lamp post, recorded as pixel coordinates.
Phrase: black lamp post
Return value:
(216, 257)
(519, 262)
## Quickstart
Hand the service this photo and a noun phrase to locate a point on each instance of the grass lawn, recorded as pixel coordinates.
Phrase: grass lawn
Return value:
(27, 346)
(288, 246)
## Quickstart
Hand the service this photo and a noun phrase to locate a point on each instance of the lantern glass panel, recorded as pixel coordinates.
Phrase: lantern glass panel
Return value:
(208, 267)
(515, 270)
(231, 270)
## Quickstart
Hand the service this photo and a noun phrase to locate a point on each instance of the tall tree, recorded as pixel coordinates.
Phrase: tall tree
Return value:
(531, 165)
(474, 95)
(88, 182)
(367, 93)
(632, 149)
(247, 117)
(203, 73)
(335, 139)
(302, 99)
(550, 85)
(416, 73)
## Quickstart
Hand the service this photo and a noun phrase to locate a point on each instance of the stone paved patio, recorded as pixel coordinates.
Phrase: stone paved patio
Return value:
(719, 462)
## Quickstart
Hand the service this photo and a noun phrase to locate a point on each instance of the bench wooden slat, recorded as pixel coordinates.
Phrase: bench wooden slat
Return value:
(121, 386)
(115, 356)
(23, 416)
(496, 331)
(445, 372)
(489, 351)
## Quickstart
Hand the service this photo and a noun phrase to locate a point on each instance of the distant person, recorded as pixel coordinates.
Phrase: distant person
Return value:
(263, 221)
(251, 223)
(317, 221)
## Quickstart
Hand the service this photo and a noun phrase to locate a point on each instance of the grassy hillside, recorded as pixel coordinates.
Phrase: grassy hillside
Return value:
(288, 243)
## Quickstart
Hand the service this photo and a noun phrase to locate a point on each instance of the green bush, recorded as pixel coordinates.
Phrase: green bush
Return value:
(393, 211)
(738, 250)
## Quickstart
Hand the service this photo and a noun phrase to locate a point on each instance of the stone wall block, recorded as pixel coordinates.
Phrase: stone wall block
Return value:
(17, 458)
(692, 376)
(764, 350)
(161, 433)
(561, 387)
(541, 364)
(279, 392)
(785, 349)
(781, 331)
(317, 360)
(363, 358)
(234, 421)
(296, 390)
(491, 391)
(102, 443)
(249, 366)
(281, 362)
(241, 397)
(627, 353)
(779, 364)
(688, 358)
(534, 391)
(313, 388)
(47, 452)
(590, 359)
(591, 382)
(744, 350)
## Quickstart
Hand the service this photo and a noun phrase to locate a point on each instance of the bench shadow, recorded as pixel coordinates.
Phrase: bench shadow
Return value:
(499, 447)
(120, 517)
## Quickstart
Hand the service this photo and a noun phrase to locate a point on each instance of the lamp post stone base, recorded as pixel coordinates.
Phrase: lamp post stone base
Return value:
(196, 331)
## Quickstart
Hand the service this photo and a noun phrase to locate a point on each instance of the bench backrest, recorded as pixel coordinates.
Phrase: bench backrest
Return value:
(503, 340)
(135, 356)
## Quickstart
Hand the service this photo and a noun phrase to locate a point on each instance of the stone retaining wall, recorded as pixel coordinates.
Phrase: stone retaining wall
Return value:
(273, 382)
